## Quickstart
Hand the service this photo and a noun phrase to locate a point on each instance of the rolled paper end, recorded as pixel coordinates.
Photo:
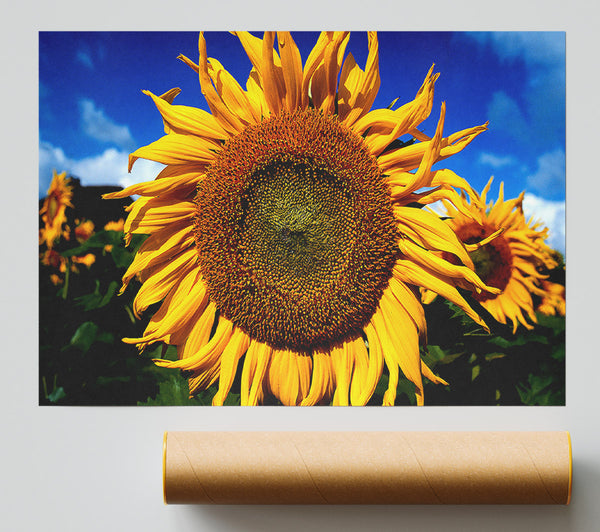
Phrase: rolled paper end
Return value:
(570, 467)
(367, 468)
(164, 467)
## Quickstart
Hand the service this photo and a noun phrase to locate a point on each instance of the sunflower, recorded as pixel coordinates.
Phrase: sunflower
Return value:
(286, 234)
(509, 253)
(87, 260)
(53, 210)
(115, 225)
(553, 301)
(52, 258)
(84, 229)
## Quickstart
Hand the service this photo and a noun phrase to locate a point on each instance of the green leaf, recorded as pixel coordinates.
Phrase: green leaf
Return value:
(557, 323)
(56, 395)
(539, 391)
(97, 240)
(436, 352)
(558, 352)
(436, 355)
(232, 399)
(493, 356)
(110, 292)
(475, 372)
(451, 358)
(121, 257)
(405, 387)
(105, 337)
(84, 336)
(96, 300)
(382, 385)
(517, 340)
(173, 391)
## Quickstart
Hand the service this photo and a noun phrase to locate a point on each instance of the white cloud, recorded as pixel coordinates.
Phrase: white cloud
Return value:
(496, 161)
(107, 168)
(549, 177)
(551, 214)
(100, 127)
(540, 48)
(85, 58)
(438, 208)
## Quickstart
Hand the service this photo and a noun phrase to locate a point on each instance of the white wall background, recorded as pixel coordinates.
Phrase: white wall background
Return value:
(98, 469)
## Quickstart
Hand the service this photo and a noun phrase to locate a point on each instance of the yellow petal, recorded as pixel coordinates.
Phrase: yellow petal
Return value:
(200, 332)
(156, 287)
(253, 372)
(175, 148)
(237, 346)
(226, 119)
(430, 232)
(408, 272)
(182, 182)
(148, 215)
(342, 359)
(160, 247)
(402, 332)
(188, 120)
(358, 89)
(321, 383)
(272, 75)
(376, 360)
(208, 355)
(409, 157)
(441, 267)
(430, 375)
(291, 63)
(313, 61)
(360, 372)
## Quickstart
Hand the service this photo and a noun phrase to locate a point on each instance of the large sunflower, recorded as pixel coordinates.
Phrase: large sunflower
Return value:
(286, 229)
(53, 209)
(509, 253)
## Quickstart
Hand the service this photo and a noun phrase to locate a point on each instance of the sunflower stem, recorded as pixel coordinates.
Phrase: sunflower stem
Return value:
(66, 286)
(130, 314)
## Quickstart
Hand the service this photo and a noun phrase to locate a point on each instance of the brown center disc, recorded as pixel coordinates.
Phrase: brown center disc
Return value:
(493, 261)
(294, 231)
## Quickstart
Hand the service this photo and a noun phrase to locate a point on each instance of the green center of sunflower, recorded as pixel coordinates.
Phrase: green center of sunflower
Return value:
(52, 206)
(484, 261)
(298, 228)
(294, 231)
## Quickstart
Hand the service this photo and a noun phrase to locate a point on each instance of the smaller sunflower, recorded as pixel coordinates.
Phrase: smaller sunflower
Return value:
(53, 210)
(84, 229)
(508, 252)
(87, 260)
(115, 225)
(553, 302)
(54, 259)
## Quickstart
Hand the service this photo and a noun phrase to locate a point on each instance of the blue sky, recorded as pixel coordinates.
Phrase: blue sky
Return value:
(92, 112)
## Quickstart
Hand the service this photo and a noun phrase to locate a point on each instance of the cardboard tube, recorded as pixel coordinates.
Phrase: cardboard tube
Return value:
(367, 467)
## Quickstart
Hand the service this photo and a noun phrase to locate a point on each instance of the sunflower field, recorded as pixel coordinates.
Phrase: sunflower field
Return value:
(298, 248)
(82, 319)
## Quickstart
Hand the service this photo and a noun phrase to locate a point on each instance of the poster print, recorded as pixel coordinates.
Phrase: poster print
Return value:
(302, 219)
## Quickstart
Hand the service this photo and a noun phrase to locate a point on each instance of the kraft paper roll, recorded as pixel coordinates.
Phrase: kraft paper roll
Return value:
(367, 467)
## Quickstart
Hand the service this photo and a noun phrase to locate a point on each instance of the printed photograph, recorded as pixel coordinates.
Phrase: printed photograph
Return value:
(302, 219)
